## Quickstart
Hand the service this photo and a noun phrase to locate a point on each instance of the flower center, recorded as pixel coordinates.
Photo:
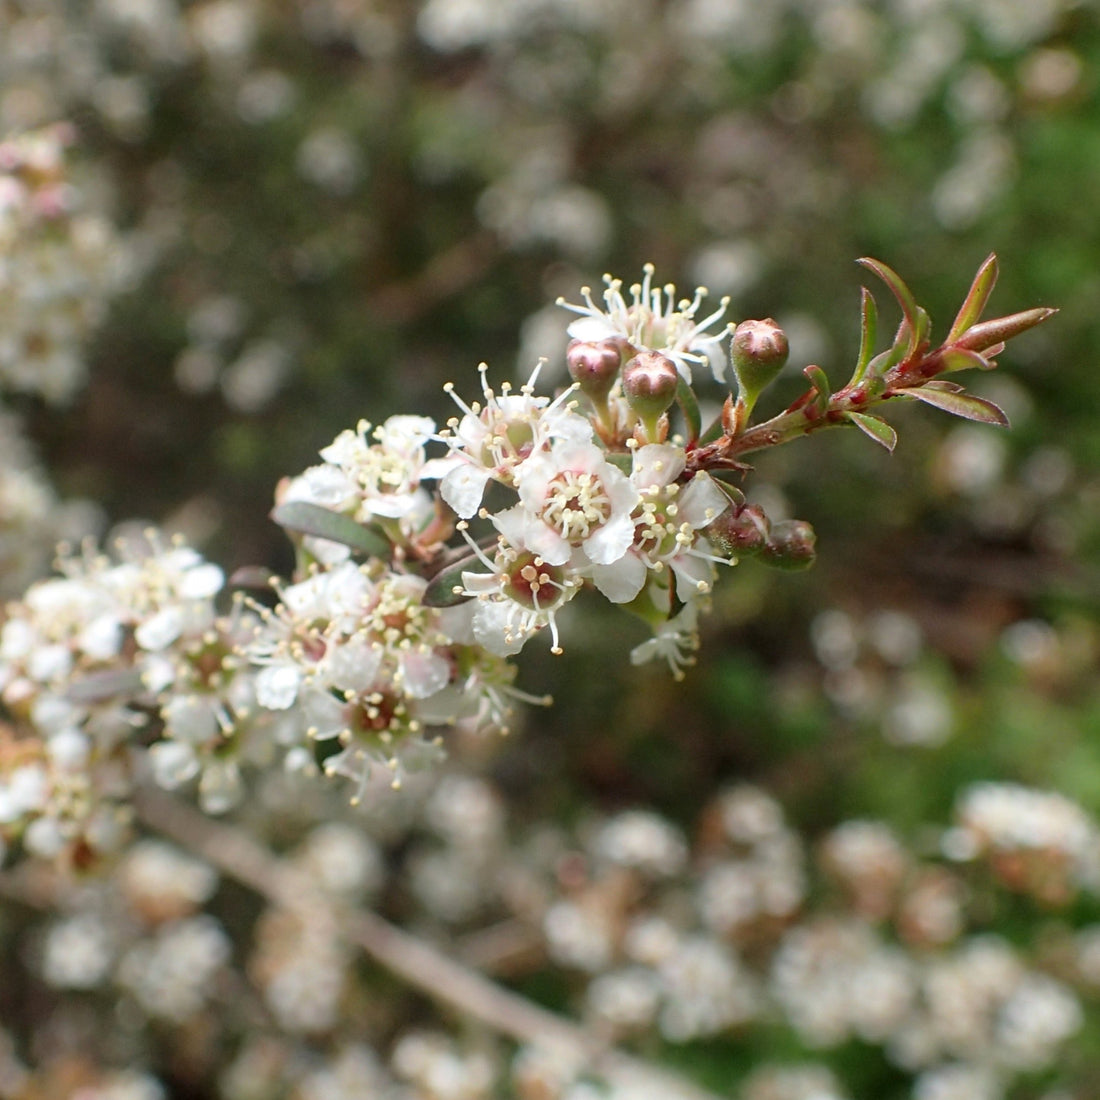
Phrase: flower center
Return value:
(397, 619)
(383, 471)
(533, 584)
(576, 505)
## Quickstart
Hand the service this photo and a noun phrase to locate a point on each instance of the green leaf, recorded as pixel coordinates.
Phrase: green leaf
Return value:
(900, 291)
(923, 327)
(323, 523)
(819, 380)
(962, 359)
(965, 405)
(441, 588)
(685, 396)
(980, 289)
(868, 333)
(822, 391)
(876, 428)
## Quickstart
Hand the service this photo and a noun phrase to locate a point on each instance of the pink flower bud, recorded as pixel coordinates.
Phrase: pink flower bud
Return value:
(791, 545)
(649, 382)
(759, 352)
(740, 532)
(594, 365)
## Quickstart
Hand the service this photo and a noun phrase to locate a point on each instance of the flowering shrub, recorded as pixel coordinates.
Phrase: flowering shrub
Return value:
(821, 836)
(426, 559)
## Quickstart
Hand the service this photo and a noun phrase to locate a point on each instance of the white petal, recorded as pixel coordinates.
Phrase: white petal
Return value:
(657, 464)
(174, 763)
(425, 674)
(620, 582)
(494, 630)
(592, 329)
(544, 541)
(464, 487)
(513, 522)
(702, 501)
(202, 582)
(610, 542)
(691, 571)
(161, 630)
(277, 686)
(352, 665)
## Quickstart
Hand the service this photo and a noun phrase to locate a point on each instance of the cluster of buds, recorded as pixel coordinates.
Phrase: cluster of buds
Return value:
(419, 576)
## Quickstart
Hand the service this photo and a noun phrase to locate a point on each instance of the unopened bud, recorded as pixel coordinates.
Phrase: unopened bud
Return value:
(594, 365)
(649, 383)
(759, 352)
(740, 532)
(791, 545)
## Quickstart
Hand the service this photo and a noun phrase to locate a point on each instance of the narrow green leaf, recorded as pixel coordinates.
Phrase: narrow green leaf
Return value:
(819, 380)
(899, 349)
(876, 428)
(963, 359)
(441, 588)
(323, 523)
(868, 333)
(899, 290)
(965, 405)
(976, 298)
(943, 384)
(922, 329)
(685, 396)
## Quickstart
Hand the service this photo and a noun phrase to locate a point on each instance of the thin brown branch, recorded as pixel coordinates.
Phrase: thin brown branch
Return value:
(413, 960)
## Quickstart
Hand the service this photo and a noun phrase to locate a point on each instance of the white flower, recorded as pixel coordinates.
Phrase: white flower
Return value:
(571, 498)
(519, 596)
(665, 521)
(385, 475)
(654, 320)
(490, 441)
(674, 641)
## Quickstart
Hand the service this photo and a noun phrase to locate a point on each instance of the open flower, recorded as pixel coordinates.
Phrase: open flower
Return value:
(666, 523)
(571, 498)
(490, 441)
(519, 596)
(654, 320)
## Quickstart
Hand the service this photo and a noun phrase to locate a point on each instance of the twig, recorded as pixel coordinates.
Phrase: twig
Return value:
(415, 961)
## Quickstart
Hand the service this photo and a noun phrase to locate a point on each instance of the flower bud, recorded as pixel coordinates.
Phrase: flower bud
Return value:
(649, 383)
(790, 545)
(759, 352)
(740, 532)
(594, 365)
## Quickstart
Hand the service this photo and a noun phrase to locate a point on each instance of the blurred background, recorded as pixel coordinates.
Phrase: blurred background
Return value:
(314, 211)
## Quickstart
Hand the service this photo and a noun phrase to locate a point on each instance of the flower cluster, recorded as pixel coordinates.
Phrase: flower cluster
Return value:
(115, 646)
(59, 264)
(387, 636)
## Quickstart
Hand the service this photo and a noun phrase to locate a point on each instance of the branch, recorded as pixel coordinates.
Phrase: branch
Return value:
(415, 961)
